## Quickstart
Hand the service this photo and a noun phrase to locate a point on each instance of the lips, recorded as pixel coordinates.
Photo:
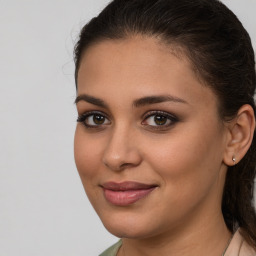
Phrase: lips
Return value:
(126, 193)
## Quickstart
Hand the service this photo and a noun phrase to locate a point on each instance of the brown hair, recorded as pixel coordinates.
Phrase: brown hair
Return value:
(221, 52)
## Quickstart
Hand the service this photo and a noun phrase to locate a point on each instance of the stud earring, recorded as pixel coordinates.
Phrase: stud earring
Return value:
(234, 160)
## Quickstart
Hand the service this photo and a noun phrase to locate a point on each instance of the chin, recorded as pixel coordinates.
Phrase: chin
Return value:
(128, 232)
(129, 226)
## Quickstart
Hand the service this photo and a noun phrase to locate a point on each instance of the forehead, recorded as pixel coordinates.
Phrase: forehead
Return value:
(137, 66)
(134, 49)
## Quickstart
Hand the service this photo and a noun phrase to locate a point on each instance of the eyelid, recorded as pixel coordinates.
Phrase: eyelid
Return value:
(82, 117)
(173, 119)
(159, 112)
(88, 112)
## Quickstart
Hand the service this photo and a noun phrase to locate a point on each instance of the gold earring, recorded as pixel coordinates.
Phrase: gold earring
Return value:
(234, 160)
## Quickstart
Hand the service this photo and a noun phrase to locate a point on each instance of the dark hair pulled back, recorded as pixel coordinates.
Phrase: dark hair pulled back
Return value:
(221, 52)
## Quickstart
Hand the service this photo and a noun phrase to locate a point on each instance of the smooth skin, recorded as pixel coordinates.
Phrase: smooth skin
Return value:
(186, 153)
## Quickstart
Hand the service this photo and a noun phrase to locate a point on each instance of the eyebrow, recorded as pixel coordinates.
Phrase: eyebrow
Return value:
(148, 100)
(157, 99)
(91, 99)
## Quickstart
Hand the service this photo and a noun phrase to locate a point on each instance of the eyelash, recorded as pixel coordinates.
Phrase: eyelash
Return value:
(171, 118)
(82, 118)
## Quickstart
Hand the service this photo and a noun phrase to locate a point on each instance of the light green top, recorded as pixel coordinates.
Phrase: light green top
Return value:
(112, 251)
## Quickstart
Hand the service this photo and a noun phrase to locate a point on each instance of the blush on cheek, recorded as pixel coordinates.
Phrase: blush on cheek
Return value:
(86, 153)
(85, 162)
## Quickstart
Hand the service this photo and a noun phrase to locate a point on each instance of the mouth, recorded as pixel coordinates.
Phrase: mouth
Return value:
(126, 193)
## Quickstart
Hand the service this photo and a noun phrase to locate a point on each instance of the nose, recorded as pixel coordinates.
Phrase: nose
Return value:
(122, 150)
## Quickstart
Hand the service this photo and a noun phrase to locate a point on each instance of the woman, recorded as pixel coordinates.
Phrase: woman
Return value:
(166, 117)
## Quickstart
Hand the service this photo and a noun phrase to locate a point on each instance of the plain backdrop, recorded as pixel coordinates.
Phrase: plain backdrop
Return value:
(43, 207)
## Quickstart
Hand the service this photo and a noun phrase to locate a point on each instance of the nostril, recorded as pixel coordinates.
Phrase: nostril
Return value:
(116, 166)
(125, 165)
(119, 166)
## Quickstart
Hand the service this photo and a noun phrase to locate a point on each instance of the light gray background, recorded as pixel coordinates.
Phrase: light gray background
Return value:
(43, 208)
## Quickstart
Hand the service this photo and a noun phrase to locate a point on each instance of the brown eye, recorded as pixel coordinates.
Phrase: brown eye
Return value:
(98, 119)
(93, 120)
(160, 120)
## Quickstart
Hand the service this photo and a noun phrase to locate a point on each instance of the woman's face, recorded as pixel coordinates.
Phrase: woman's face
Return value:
(149, 145)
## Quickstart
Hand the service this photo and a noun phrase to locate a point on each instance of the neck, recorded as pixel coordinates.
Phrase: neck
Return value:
(209, 236)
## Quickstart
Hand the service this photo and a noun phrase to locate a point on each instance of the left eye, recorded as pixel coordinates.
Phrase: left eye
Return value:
(159, 119)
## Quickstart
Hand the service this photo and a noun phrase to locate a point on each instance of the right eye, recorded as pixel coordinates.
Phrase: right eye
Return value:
(93, 119)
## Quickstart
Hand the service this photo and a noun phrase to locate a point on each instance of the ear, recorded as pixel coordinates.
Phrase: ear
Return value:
(240, 135)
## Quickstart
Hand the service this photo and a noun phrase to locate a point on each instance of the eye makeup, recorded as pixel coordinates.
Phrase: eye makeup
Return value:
(155, 120)
(159, 120)
(98, 118)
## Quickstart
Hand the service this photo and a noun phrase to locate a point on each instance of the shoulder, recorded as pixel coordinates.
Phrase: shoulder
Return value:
(112, 250)
(239, 247)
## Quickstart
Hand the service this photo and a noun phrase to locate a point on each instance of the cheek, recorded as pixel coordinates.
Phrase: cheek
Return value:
(187, 161)
(87, 155)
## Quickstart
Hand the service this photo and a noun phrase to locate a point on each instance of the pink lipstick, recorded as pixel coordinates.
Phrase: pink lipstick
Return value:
(126, 193)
